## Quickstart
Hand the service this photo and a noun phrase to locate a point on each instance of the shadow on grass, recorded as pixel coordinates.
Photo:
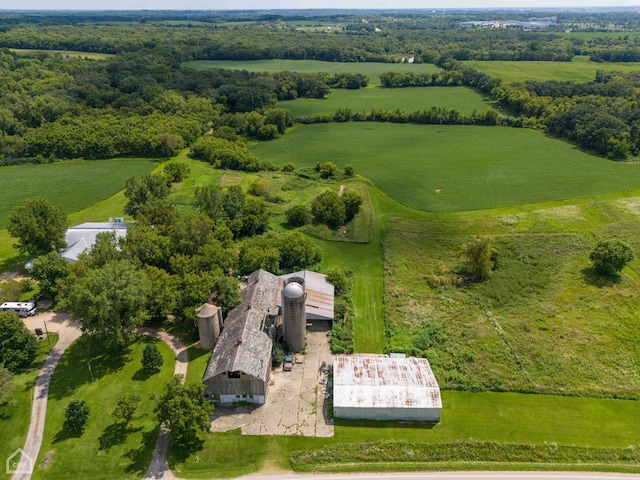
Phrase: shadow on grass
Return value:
(85, 360)
(590, 277)
(143, 374)
(141, 457)
(194, 352)
(180, 450)
(65, 434)
(115, 434)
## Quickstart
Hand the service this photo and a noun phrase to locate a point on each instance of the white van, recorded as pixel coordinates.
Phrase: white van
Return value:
(22, 309)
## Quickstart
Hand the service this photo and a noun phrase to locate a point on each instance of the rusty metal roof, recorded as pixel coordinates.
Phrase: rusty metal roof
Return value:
(320, 293)
(383, 382)
(242, 345)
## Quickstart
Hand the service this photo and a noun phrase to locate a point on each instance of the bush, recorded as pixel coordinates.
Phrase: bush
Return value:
(611, 256)
(277, 355)
(75, 416)
(298, 216)
(18, 346)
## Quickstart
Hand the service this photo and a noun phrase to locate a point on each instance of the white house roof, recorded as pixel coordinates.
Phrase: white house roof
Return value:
(82, 237)
(384, 382)
(320, 293)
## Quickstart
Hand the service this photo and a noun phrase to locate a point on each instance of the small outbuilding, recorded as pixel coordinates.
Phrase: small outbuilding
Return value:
(385, 388)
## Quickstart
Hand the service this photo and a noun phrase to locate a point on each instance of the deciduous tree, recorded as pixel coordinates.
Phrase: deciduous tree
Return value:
(39, 226)
(480, 258)
(610, 256)
(18, 346)
(183, 409)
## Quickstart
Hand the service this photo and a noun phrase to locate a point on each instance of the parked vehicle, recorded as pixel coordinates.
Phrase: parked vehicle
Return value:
(288, 362)
(22, 309)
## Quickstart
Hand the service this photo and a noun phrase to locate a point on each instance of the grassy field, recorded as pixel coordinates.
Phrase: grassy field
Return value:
(462, 99)
(455, 168)
(543, 323)
(103, 450)
(64, 53)
(371, 69)
(73, 185)
(14, 417)
(579, 70)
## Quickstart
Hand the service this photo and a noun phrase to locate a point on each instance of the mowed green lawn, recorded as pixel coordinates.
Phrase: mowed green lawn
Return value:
(371, 69)
(500, 417)
(103, 451)
(579, 70)
(462, 99)
(455, 168)
(72, 185)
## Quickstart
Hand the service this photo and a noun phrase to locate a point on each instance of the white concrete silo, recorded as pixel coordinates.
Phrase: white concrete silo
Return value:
(293, 312)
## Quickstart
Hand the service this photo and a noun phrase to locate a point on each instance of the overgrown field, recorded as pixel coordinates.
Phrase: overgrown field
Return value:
(542, 323)
(581, 69)
(442, 168)
(104, 450)
(371, 69)
(461, 99)
(73, 185)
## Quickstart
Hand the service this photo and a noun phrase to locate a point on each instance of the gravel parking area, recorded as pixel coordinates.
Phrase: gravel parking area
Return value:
(295, 402)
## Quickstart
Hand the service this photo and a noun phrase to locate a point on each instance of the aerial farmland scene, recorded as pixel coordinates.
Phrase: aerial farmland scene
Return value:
(290, 241)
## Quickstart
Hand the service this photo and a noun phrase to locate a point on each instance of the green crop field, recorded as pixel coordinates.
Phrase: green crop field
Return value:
(64, 53)
(371, 69)
(73, 185)
(454, 168)
(462, 99)
(580, 70)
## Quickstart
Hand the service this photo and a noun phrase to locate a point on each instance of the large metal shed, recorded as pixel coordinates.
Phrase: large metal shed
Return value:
(385, 388)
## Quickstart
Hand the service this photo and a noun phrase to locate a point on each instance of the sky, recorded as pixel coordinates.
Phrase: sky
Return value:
(294, 4)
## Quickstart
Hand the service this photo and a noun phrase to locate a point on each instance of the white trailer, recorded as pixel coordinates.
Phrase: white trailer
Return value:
(22, 309)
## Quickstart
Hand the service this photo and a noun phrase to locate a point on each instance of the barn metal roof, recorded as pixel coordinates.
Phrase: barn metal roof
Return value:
(82, 237)
(383, 382)
(320, 293)
(242, 345)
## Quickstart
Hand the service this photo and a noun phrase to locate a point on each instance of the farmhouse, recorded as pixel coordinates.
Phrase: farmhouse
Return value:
(271, 308)
(82, 237)
(378, 387)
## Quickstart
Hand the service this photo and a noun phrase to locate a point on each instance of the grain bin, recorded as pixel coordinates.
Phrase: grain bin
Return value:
(209, 324)
(293, 312)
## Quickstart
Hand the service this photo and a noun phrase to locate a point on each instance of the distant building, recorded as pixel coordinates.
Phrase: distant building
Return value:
(385, 388)
(82, 237)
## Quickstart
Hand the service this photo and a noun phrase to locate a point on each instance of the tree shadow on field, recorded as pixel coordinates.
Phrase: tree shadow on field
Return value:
(65, 434)
(590, 277)
(181, 449)
(143, 374)
(115, 434)
(85, 360)
(141, 457)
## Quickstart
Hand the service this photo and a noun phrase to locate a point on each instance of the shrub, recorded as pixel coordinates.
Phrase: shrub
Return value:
(611, 256)
(297, 216)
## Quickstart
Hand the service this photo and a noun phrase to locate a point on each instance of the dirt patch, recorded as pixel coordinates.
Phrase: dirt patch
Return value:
(46, 461)
(341, 191)
(15, 275)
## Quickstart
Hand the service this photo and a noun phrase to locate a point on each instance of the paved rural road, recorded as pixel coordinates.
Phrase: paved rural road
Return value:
(449, 476)
(68, 331)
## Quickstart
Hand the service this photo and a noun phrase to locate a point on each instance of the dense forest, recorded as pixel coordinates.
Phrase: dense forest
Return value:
(141, 102)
